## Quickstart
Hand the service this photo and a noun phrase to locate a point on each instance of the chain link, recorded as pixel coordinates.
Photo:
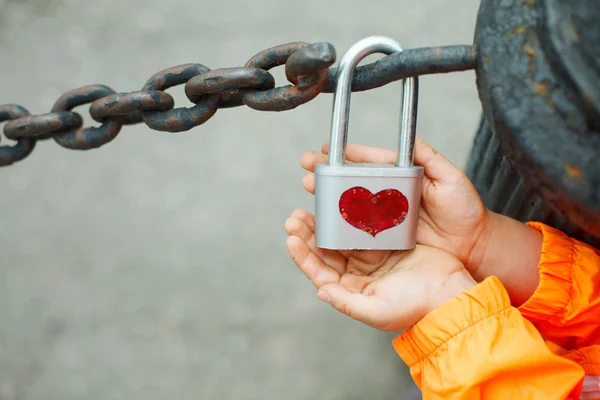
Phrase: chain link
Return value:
(307, 68)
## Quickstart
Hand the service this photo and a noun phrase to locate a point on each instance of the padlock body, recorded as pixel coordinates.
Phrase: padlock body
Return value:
(367, 206)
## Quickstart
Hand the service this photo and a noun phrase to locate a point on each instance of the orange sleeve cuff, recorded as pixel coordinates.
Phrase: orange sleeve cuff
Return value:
(455, 316)
(554, 291)
(565, 307)
(588, 358)
(477, 346)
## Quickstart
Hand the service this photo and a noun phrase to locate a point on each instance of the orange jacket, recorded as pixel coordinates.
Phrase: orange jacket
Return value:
(477, 346)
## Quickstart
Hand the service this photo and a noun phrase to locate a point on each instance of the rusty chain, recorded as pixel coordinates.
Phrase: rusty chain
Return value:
(307, 68)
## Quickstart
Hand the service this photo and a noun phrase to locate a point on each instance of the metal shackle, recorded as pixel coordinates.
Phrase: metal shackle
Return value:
(341, 101)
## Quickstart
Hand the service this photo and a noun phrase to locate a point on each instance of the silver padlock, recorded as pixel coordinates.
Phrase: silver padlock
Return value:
(368, 206)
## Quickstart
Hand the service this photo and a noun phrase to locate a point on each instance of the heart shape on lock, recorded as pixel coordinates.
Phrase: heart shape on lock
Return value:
(373, 213)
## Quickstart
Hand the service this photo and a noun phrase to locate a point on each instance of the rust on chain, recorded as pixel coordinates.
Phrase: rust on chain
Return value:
(131, 105)
(290, 96)
(307, 67)
(87, 138)
(174, 76)
(406, 64)
(42, 126)
(24, 145)
(304, 65)
(229, 82)
(275, 56)
(180, 119)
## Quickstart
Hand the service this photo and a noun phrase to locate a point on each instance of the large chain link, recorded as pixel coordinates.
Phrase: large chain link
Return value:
(307, 68)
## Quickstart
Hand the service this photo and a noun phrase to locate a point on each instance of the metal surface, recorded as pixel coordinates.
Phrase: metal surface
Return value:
(537, 77)
(87, 138)
(290, 96)
(181, 118)
(307, 67)
(333, 232)
(341, 101)
(408, 63)
(504, 191)
(24, 145)
(374, 188)
(123, 104)
(40, 126)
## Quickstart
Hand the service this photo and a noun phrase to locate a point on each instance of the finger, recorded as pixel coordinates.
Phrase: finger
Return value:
(309, 220)
(357, 153)
(354, 154)
(305, 217)
(370, 310)
(436, 166)
(308, 183)
(336, 259)
(312, 266)
(310, 159)
(297, 227)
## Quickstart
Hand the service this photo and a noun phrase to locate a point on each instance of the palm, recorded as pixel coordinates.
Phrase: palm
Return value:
(452, 216)
(383, 282)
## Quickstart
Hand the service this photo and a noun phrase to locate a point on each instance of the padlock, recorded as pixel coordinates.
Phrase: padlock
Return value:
(368, 206)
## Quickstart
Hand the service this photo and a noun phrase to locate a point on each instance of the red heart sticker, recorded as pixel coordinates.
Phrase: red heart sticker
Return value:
(373, 213)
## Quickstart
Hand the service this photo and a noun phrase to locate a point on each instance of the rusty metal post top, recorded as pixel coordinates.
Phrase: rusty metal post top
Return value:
(341, 101)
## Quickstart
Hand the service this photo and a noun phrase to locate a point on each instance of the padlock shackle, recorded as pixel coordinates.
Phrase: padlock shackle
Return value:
(341, 101)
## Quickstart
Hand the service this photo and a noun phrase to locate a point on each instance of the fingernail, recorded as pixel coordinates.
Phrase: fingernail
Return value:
(323, 296)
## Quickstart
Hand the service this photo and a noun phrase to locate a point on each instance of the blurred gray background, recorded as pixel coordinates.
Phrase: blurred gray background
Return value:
(155, 267)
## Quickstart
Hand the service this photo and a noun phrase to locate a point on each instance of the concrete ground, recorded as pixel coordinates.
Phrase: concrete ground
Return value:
(155, 266)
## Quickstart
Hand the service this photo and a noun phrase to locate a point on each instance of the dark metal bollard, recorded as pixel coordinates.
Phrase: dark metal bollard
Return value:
(504, 190)
(536, 155)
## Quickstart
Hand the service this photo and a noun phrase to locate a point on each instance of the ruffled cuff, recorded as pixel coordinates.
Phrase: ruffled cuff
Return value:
(458, 314)
(554, 291)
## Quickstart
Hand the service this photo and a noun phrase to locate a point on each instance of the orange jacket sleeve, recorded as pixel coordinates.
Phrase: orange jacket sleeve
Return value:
(477, 346)
(566, 305)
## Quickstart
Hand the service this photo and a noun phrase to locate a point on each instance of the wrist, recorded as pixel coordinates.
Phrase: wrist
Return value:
(509, 250)
(480, 252)
(457, 283)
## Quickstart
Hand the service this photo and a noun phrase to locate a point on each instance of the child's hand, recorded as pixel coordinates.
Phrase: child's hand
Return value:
(453, 218)
(387, 290)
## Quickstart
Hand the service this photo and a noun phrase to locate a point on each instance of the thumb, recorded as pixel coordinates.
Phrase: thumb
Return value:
(370, 310)
(435, 165)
